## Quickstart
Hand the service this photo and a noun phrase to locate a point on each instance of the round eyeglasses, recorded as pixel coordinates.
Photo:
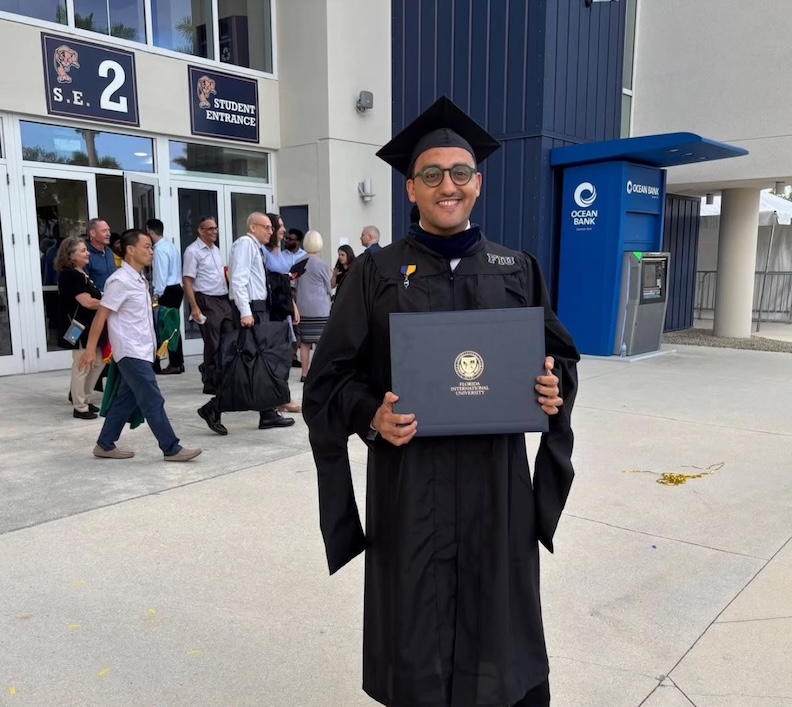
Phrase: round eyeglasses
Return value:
(460, 175)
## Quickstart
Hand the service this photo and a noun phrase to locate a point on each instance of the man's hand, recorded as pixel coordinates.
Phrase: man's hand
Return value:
(396, 429)
(247, 322)
(197, 314)
(547, 387)
(87, 360)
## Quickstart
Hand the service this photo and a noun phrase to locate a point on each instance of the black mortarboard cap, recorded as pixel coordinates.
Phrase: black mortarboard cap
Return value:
(443, 124)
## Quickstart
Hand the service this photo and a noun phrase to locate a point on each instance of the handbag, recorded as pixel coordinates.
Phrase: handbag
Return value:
(253, 368)
(75, 330)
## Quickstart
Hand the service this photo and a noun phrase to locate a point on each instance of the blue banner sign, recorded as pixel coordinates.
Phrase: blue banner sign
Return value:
(222, 105)
(89, 81)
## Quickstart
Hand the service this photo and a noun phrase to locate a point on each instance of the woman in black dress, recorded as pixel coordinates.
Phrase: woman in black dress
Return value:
(78, 300)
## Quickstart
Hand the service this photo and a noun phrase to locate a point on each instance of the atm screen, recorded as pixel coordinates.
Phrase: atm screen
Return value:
(653, 282)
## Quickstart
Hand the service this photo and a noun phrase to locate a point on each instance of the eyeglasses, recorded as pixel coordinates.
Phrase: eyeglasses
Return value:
(265, 226)
(433, 176)
(208, 228)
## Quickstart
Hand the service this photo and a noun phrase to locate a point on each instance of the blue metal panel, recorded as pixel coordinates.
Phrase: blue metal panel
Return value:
(681, 240)
(607, 209)
(538, 74)
(666, 150)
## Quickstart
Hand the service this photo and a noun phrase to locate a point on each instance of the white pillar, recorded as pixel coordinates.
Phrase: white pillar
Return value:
(739, 227)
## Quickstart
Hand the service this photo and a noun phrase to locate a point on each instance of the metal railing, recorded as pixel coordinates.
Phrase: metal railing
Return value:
(772, 297)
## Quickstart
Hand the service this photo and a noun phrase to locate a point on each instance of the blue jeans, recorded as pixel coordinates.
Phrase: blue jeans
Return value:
(138, 388)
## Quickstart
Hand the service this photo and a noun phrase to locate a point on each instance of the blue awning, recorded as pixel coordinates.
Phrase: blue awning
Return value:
(668, 150)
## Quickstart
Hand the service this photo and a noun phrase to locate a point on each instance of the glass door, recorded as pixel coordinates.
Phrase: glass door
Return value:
(192, 202)
(142, 200)
(240, 203)
(59, 203)
(11, 256)
(230, 205)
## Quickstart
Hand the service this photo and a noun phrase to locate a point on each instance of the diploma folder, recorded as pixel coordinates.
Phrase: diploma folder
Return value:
(469, 372)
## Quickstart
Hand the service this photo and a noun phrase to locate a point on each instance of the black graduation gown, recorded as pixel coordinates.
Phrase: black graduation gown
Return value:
(452, 615)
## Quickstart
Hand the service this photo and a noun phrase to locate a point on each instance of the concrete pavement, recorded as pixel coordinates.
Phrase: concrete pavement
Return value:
(144, 583)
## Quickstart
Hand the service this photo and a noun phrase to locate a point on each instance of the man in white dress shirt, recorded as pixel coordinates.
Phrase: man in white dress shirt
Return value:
(126, 309)
(206, 289)
(248, 292)
(167, 285)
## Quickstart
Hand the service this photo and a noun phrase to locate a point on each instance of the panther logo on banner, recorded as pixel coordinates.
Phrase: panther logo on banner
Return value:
(65, 60)
(206, 87)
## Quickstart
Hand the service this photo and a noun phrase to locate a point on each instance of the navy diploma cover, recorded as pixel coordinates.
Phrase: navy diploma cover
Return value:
(469, 372)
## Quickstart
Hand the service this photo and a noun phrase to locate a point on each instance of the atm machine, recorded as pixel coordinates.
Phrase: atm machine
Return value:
(613, 282)
(642, 303)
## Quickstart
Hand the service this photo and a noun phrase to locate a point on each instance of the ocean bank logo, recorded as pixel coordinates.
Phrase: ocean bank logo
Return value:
(585, 217)
(585, 195)
(635, 188)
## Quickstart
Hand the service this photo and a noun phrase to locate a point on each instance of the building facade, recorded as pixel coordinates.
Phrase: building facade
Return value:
(537, 75)
(720, 74)
(133, 109)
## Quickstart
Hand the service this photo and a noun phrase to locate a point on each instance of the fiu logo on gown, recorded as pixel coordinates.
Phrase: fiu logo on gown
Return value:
(469, 365)
(500, 259)
(65, 60)
(206, 87)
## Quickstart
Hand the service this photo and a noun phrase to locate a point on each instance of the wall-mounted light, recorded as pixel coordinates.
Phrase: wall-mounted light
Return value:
(780, 188)
(589, 3)
(710, 199)
(365, 102)
(366, 190)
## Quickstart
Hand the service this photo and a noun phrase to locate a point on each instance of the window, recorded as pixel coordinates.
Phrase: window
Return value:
(236, 32)
(184, 26)
(245, 30)
(118, 18)
(87, 148)
(629, 44)
(626, 114)
(214, 159)
(50, 10)
(629, 67)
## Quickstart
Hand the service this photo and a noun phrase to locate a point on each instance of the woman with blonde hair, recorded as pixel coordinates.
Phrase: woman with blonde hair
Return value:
(78, 300)
(313, 298)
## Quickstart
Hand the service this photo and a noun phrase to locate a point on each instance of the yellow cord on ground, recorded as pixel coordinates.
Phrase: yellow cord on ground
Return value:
(676, 479)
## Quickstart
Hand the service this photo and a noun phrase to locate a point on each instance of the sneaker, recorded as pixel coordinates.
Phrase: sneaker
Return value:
(115, 453)
(184, 455)
(85, 414)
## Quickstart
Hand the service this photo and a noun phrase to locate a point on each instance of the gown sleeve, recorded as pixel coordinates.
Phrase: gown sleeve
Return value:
(553, 472)
(338, 401)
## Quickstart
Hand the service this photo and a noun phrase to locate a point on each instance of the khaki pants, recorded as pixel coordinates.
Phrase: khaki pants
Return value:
(83, 382)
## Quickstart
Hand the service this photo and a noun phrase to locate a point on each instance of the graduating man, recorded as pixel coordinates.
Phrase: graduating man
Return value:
(452, 616)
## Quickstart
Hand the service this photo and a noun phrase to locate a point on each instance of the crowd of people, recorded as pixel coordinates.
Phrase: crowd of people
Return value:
(120, 309)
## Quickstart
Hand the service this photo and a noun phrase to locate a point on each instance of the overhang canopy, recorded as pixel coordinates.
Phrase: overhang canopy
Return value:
(667, 150)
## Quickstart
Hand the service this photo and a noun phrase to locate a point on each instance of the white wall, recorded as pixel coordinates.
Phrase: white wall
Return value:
(163, 88)
(330, 50)
(717, 68)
